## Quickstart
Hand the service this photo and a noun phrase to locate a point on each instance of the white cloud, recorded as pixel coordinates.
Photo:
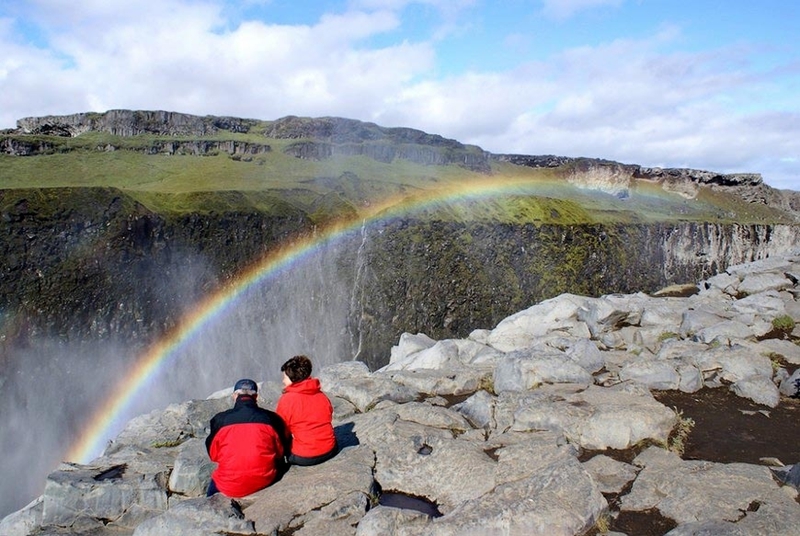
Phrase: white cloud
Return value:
(179, 59)
(627, 100)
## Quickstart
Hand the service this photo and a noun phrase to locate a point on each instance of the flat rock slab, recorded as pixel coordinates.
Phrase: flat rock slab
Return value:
(75, 493)
(597, 418)
(198, 517)
(699, 491)
(304, 489)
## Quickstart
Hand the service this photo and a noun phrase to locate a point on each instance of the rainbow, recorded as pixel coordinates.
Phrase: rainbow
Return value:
(157, 357)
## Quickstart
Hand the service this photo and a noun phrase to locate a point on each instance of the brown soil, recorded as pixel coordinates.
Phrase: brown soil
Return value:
(727, 429)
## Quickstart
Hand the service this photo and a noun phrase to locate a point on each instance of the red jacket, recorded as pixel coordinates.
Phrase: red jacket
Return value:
(248, 444)
(307, 413)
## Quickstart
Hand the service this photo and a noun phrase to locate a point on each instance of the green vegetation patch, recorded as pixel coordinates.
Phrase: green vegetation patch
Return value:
(346, 186)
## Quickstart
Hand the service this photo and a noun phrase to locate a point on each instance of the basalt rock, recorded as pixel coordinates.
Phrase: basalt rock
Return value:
(619, 179)
(440, 278)
(132, 123)
(326, 137)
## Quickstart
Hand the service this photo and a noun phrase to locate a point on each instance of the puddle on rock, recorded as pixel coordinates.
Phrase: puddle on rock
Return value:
(396, 499)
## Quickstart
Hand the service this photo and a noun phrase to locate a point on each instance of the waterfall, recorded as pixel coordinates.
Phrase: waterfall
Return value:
(357, 294)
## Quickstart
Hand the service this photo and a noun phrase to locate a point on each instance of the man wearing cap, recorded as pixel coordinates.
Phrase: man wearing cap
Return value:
(247, 442)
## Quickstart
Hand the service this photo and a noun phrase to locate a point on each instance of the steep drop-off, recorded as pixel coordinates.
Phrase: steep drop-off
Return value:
(91, 263)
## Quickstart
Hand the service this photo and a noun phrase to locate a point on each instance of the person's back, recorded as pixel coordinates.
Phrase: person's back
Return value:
(308, 413)
(247, 442)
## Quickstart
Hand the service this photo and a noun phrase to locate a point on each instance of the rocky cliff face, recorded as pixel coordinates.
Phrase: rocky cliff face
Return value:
(618, 179)
(332, 136)
(89, 252)
(132, 123)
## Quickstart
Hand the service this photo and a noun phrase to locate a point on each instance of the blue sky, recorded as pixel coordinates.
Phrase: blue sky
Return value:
(703, 84)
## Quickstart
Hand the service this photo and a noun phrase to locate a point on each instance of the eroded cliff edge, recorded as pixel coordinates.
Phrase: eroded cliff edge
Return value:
(113, 265)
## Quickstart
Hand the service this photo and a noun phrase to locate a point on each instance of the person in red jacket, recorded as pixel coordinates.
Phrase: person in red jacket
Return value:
(248, 443)
(307, 412)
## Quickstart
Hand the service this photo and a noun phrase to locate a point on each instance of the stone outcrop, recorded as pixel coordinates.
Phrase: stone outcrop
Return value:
(510, 430)
(326, 137)
(15, 146)
(621, 180)
(132, 123)
(196, 148)
(383, 152)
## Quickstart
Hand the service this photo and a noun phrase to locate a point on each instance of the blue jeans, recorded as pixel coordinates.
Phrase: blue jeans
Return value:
(212, 488)
(299, 460)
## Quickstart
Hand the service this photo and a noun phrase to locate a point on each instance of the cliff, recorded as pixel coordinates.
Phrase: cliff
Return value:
(332, 136)
(87, 251)
(619, 179)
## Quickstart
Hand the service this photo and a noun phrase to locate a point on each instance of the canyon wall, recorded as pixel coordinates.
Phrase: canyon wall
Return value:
(121, 270)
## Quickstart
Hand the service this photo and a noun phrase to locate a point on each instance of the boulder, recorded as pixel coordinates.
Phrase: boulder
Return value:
(521, 329)
(353, 382)
(75, 494)
(759, 389)
(522, 370)
(192, 470)
(598, 418)
(610, 475)
(791, 385)
(654, 374)
(559, 499)
(756, 283)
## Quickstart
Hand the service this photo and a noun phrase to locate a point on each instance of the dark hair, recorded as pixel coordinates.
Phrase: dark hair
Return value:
(297, 368)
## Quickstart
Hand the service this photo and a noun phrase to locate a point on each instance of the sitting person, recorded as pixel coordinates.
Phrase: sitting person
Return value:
(248, 443)
(307, 412)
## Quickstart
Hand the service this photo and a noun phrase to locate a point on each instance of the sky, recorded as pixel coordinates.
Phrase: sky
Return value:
(704, 84)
